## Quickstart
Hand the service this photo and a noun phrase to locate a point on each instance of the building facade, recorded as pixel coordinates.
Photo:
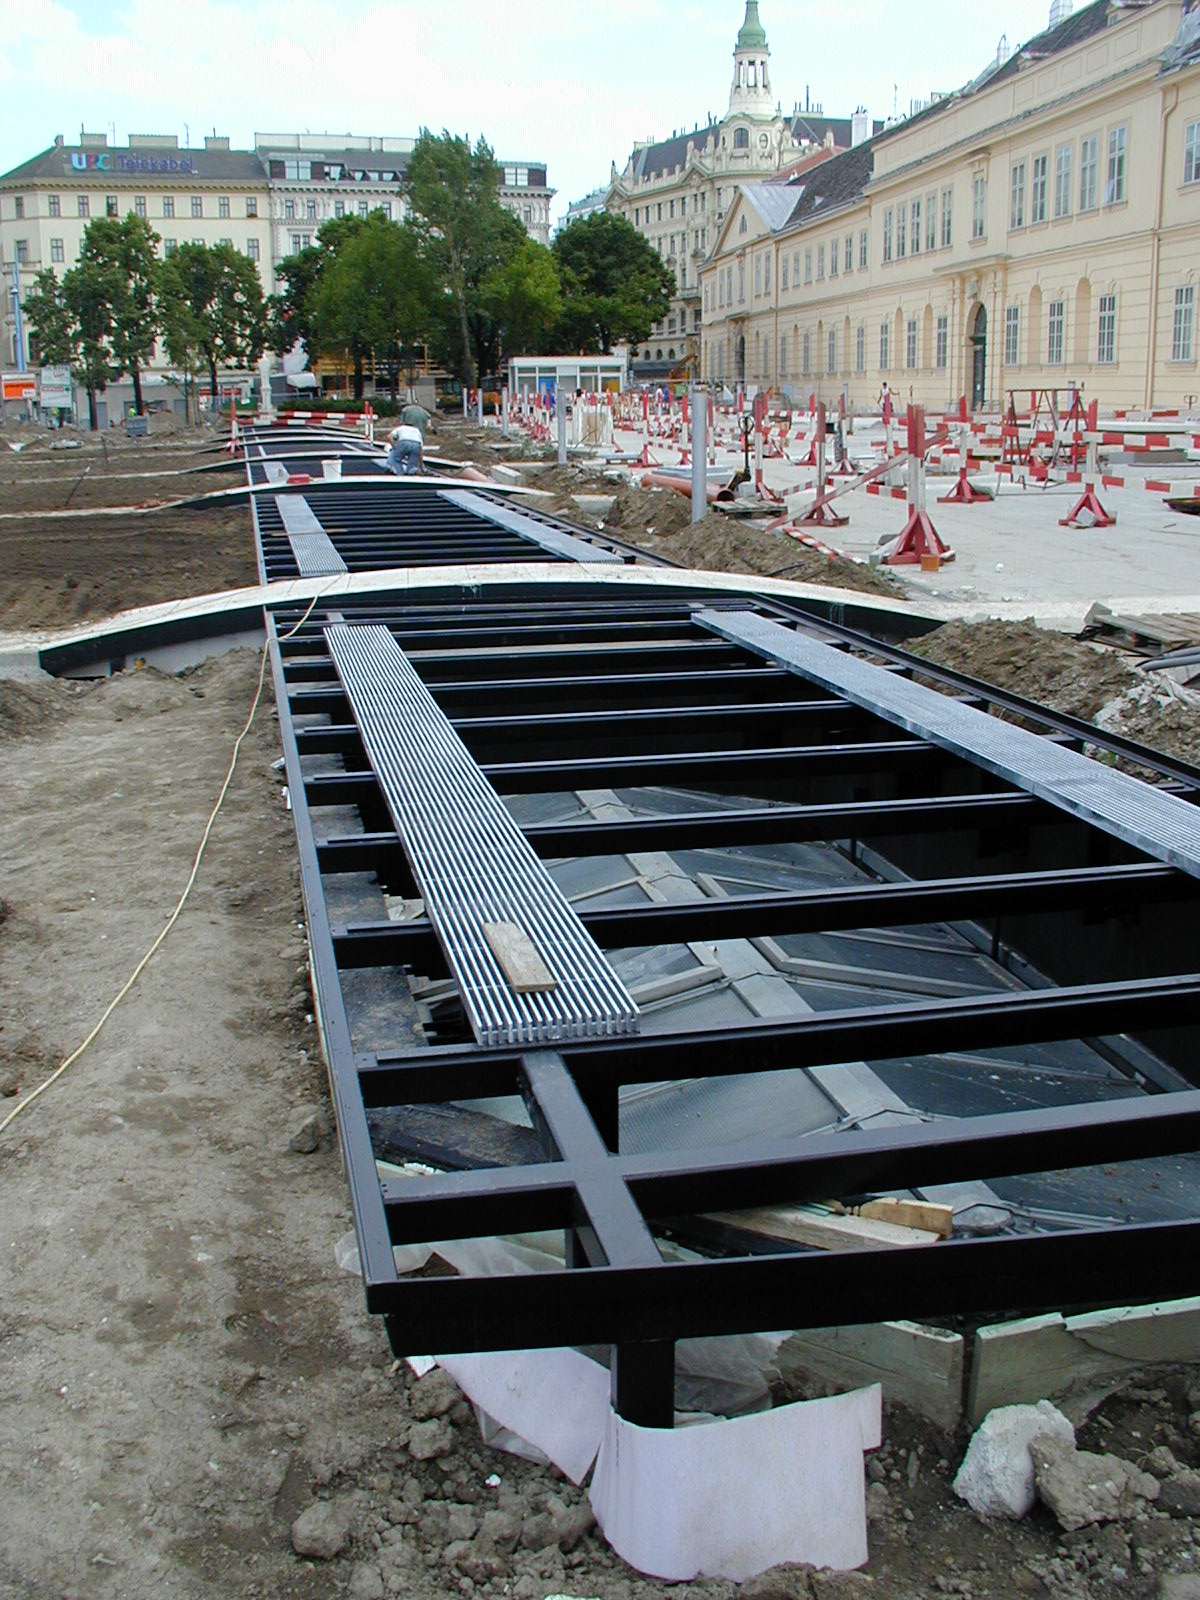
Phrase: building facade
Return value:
(214, 195)
(1040, 229)
(311, 179)
(677, 192)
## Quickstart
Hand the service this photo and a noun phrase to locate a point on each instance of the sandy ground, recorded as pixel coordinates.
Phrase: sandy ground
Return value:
(184, 1370)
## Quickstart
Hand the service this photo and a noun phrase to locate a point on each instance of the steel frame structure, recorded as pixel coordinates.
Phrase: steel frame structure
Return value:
(556, 689)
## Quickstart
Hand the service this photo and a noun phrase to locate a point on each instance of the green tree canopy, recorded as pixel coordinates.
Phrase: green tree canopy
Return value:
(466, 234)
(213, 307)
(125, 251)
(52, 332)
(370, 296)
(522, 298)
(615, 286)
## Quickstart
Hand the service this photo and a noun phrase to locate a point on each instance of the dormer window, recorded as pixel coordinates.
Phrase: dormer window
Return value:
(741, 138)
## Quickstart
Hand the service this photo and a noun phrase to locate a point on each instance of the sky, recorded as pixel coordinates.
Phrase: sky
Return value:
(572, 84)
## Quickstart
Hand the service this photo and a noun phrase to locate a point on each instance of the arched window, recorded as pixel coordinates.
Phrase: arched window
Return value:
(741, 138)
(671, 353)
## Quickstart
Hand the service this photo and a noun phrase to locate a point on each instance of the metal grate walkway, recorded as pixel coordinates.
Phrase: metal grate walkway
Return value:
(551, 539)
(527, 969)
(1158, 823)
(312, 547)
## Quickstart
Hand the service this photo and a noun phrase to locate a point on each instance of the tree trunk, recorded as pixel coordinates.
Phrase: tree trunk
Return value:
(212, 380)
(468, 361)
(138, 407)
(358, 376)
(93, 420)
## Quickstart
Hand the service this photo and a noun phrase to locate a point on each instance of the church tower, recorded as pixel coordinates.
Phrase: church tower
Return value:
(750, 93)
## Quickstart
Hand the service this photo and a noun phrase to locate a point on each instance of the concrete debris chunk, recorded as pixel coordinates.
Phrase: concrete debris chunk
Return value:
(428, 1440)
(1082, 1488)
(323, 1531)
(1180, 1493)
(996, 1478)
(433, 1395)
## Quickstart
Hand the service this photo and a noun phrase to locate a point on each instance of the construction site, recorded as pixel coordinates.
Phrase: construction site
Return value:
(610, 1019)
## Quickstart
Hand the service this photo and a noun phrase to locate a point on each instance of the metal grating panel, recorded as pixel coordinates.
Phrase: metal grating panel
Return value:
(541, 533)
(1160, 824)
(473, 865)
(311, 545)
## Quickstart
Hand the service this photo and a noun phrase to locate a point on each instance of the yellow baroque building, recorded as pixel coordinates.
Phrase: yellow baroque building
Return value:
(1038, 229)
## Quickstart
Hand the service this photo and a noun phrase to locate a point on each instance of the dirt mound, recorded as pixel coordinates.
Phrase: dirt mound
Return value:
(639, 513)
(724, 544)
(27, 707)
(1048, 667)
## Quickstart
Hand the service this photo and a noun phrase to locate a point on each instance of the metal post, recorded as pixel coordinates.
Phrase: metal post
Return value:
(504, 412)
(560, 411)
(699, 453)
(479, 403)
(464, 395)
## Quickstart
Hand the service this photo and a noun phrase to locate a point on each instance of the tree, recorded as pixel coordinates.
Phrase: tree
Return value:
(369, 297)
(465, 231)
(213, 305)
(51, 325)
(126, 251)
(523, 299)
(615, 286)
(70, 322)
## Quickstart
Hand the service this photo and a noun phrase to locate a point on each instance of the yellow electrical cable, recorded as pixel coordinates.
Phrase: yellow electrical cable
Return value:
(187, 888)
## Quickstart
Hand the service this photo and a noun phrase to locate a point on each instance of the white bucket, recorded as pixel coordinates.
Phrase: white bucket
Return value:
(333, 468)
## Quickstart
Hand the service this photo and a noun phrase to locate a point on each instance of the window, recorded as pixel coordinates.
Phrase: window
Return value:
(82, 205)
(310, 209)
(56, 250)
(887, 235)
(170, 246)
(295, 244)
(783, 355)
(22, 252)
(660, 211)
(637, 216)
(1191, 153)
(807, 353)
(783, 273)
(296, 170)
(54, 205)
(19, 207)
(942, 354)
(1038, 193)
(901, 231)
(931, 221)
(848, 253)
(289, 210)
(862, 248)
(222, 205)
(168, 205)
(808, 265)
(742, 281)
(1062, 181)
(741, 139)
(766, 274)
(1106, 329)
(226, 242)
(197, 205)
(916, 228)
(1185, 313)
(110, 205)
(362, 208)
(683, 206)
(1114, 189)
(252, 249)
(139, 205)
(198, 241)
(796, 270)
(947, 217)
(910, 343)
(884, 333)
(251, 205)
(1016, 211)
(860, 348)
(979, 208)
(1054, 349)
(833, 259)
(671, 324)
(1012, 336)
(1089, 171)
(339, 208)
(820, 262)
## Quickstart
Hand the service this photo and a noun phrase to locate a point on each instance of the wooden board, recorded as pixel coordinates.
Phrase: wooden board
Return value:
(524, 970)
(824, 1230)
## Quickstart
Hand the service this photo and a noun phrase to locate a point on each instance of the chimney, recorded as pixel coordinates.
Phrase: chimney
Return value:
(860, 127)
(1060, 10)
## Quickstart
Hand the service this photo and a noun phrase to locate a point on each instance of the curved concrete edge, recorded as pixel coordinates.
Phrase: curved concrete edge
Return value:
(23, 652)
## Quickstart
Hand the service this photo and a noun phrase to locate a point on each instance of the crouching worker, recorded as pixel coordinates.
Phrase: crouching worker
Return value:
(404, 457)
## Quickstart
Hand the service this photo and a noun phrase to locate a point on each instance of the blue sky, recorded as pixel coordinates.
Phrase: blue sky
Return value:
(573, 84)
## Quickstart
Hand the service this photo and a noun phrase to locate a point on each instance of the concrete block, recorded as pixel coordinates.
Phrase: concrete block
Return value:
(919, 1367)
(1021, 1362)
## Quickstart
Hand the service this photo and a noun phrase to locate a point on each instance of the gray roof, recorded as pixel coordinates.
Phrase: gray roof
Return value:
(774, 202)
(161, 164)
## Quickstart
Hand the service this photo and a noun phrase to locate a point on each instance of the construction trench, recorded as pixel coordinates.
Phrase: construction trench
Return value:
(694, 962)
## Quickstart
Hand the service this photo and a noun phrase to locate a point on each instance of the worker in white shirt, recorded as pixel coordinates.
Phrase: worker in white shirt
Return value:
(404, 457)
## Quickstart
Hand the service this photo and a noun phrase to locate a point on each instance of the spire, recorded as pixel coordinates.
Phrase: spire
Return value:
(753, 35)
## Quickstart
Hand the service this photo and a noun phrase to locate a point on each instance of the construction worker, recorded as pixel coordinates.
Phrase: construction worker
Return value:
(885, 404)
(414, 415)
(405, 455)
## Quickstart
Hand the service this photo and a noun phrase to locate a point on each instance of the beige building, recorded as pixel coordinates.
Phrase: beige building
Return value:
(677, 191)
(1038, 229)
(212, 195)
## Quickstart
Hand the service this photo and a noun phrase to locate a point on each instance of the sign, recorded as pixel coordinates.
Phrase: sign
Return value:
(120, 161)
(54, 388)
(20, 386)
